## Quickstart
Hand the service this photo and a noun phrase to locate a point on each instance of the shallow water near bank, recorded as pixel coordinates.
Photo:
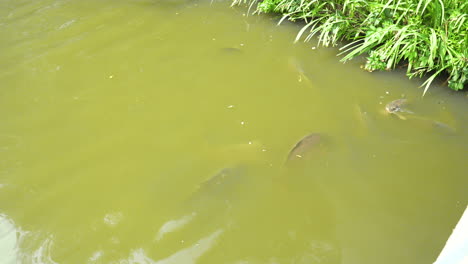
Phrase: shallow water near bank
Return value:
(158, 132)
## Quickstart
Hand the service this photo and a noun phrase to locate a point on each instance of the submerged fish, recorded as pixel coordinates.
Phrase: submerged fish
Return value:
(227, 177)
(397, 107)
(363, 120)
(221, 186)
(231, 50)
(297, 66)
(443, 127)
(211, 199)
(305, 145)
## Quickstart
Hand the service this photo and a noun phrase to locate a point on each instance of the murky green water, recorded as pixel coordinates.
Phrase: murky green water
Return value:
(118, 118)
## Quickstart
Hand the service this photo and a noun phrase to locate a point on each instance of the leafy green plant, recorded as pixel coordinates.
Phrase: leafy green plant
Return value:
(428, 36)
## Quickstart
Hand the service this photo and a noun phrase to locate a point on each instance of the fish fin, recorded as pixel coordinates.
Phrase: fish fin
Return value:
(400, 116)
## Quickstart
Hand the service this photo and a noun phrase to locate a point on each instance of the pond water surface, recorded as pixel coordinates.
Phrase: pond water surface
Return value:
(159, 132)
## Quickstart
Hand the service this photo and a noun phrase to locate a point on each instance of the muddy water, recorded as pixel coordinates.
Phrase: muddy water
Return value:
(159, 132)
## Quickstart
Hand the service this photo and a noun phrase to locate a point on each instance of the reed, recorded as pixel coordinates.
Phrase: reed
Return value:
(428, 37)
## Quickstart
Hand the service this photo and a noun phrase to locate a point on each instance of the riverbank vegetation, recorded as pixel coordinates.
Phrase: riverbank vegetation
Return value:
(428, 37)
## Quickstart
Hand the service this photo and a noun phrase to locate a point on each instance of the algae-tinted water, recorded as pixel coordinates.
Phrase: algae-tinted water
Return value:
(116, 114)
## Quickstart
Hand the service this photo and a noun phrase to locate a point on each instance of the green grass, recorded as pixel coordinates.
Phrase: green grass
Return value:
(429, 37)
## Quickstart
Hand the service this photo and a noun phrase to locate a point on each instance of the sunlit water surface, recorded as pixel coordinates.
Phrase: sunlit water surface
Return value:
(115, 116)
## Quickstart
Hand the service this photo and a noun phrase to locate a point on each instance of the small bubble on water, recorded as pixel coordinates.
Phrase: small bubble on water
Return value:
(230, 106)
(242, 44)
(111, 76)
(242, 122)
(387, 92)
(264, 150)
(250, 142)
(313, 48)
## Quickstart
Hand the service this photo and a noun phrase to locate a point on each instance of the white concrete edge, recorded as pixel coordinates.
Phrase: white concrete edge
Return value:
(456, 248)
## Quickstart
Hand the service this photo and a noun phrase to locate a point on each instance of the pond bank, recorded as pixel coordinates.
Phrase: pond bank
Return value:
(428, 38)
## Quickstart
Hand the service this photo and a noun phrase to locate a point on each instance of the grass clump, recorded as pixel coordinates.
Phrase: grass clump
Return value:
(426, 36)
